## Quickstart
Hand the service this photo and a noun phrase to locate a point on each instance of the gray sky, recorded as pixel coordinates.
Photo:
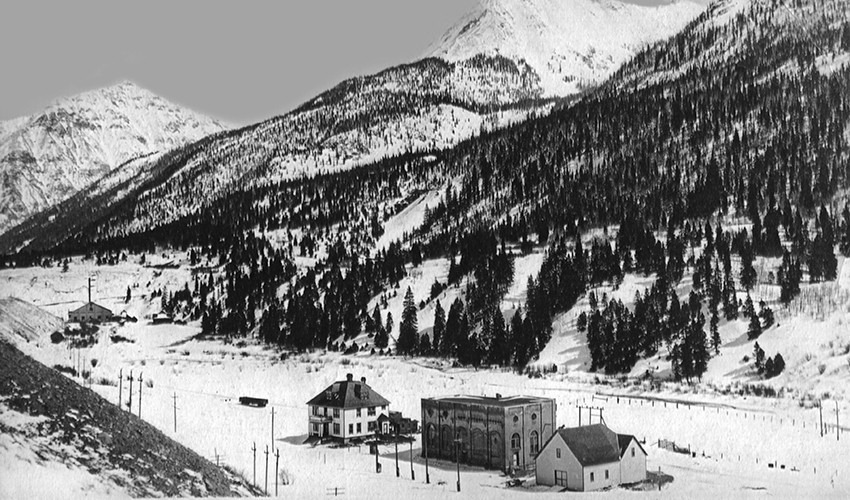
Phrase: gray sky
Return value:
(239, 61)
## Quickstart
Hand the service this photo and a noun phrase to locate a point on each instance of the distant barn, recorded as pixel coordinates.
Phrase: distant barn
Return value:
(90, 313)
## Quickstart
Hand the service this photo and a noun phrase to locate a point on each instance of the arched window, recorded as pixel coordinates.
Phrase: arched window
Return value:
(515, 441)
(534, 443)
(432, 436)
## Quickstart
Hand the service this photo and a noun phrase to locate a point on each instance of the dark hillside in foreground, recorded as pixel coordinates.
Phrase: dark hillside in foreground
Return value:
(83, 429)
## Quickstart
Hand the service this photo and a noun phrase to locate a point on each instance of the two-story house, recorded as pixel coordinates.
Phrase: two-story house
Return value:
(346, 410)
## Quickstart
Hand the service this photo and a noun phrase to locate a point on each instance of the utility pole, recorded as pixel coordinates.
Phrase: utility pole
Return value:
(820, 409)
(254, 451)
(175, 412)
(837, 428)
(140, 395)
(397, 471)
(425, 447)
(120, 387)
(412, 474)
(276, 469)
(272, 427)
(457, 460)
(130, 405)
(267, 471)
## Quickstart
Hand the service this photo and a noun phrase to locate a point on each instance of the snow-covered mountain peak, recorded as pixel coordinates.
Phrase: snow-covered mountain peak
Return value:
(571, 44)
(46, 157)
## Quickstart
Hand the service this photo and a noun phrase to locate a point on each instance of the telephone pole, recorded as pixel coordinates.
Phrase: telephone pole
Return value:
(397, 471)
(174, 397)
(254, 451)
(272, 427)
(412, 474)
(267, 471)
(837, 428)
(140, 395)
(130, 405)
(276, 469)
(820, 409)
(120, 387)
(425, 447)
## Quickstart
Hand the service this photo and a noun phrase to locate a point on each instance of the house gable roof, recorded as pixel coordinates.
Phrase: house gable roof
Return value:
(624, 441)
(592, 444)
(348, 393)
(88, 307)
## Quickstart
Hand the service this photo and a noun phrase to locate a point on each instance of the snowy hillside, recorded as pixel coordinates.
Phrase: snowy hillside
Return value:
(47, 157)
(429, 105)
(571, 44)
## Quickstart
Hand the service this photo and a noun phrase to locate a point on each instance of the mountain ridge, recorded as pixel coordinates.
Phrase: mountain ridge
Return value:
(571, 45)
(48, 156)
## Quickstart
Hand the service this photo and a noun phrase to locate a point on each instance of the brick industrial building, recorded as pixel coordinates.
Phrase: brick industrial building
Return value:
(504, 433)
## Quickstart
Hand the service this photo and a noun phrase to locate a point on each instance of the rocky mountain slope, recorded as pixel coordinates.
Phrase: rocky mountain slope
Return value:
(49, 156)
(571, 45)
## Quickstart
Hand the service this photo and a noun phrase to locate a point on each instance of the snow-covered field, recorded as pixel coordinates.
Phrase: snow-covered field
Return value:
(738, 435)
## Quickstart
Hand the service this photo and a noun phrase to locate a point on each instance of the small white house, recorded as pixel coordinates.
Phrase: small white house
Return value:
(345, 410)
(590, 458)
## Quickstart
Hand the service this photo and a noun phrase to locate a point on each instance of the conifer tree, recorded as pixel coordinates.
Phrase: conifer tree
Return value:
(382, 339)
(758, 356)
(516, 339)
(439, 327)
(425, 345)
(754, 329)
(715, 331)
(766, 315)
(408, 331)
(748, 273)
(500, 347)
(788, 277)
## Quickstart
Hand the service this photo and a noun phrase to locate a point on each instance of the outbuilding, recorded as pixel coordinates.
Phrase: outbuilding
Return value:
(590, 458)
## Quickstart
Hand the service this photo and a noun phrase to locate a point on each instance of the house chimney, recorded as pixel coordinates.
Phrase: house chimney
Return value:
(363, 379)
(498, 396)
(349, 377)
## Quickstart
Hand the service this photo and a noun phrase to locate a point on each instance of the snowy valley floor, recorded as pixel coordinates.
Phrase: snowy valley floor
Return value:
(734, 438)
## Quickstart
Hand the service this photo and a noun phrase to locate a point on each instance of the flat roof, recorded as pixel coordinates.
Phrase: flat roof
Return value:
(504, 401)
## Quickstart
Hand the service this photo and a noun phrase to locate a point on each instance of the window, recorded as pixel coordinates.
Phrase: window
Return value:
(533, 417)
(325, 410)
(336, 412)
(370, 412)
(360, 430)
(515, 441)
(359, 412)
(336, 429)
(561, 477)
(606, 473)
(592, 478)
(534, 443)
(372, 426)
(557, 453)
(316, 410)
(516, 419)
(315, 428)
(633, 452)
(351, 428)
